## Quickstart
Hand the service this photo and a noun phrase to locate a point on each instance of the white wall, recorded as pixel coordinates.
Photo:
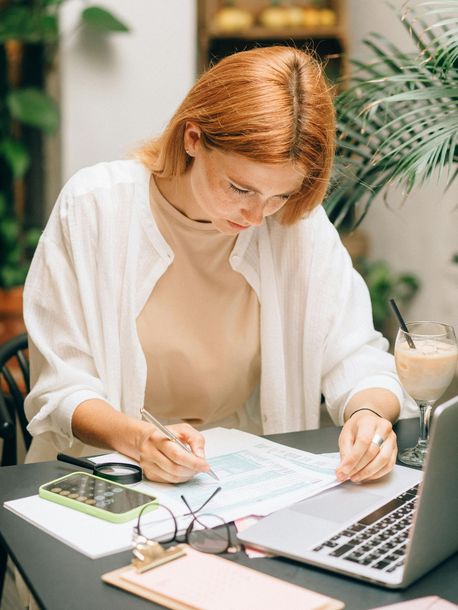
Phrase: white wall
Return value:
(121, 89)
(422, 234)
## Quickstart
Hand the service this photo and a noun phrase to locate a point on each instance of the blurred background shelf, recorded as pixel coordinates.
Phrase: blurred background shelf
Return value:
(282, 33)
(227, 27)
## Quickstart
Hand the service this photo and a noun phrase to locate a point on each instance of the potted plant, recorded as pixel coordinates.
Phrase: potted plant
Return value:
(398, 119)
(28, 43)
(397, 124)
(384, 283)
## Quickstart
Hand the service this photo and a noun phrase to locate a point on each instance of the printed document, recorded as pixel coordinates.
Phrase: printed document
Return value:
(257, 476)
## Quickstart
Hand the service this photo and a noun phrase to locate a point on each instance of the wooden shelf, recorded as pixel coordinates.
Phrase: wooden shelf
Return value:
(259, 32)
(329, 42)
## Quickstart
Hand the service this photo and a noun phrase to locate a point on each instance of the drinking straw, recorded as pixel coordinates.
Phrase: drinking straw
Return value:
(402, 324)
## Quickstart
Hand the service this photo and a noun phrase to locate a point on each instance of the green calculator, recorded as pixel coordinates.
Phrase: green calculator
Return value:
(97, 497)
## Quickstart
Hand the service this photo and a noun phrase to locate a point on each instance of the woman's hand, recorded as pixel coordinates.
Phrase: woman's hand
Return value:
(361, 459)
(164, 461)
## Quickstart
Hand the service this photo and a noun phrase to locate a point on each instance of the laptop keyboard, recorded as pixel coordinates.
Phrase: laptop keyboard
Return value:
(378, 540)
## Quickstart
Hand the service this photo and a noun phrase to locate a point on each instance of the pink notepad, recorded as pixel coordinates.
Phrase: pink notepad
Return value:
(422, 603)
(199, 581)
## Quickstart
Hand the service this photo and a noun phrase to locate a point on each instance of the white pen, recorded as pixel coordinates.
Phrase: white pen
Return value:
(169, 434)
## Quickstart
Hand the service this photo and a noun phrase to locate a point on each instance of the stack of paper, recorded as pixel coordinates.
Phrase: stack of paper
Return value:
(257, 477)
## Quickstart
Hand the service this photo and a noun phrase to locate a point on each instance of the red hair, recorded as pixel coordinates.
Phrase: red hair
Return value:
(271, 105)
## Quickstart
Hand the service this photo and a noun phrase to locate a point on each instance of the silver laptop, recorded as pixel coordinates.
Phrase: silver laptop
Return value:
(389, 532)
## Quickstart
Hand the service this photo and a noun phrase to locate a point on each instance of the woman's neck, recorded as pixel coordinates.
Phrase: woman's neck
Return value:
(177, 191)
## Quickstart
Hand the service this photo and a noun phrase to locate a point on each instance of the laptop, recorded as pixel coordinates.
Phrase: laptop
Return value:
(389, 532)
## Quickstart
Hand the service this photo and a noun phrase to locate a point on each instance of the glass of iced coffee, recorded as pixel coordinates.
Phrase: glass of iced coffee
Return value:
(426, 360)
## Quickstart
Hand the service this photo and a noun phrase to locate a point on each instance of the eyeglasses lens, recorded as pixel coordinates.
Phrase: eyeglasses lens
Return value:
(159, 525)
(209, 534)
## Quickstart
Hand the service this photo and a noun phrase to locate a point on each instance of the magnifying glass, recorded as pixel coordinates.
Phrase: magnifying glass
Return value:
(112, 471)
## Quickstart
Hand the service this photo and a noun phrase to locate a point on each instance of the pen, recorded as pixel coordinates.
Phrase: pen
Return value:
(169, 434)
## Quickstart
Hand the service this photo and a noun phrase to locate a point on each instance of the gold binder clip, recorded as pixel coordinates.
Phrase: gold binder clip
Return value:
(150, 554)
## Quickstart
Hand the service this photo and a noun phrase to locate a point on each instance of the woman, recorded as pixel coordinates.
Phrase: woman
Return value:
(204, 282)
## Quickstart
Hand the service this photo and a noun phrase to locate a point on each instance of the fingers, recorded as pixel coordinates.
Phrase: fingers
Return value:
(166, 468)
(163, 460)
(154, 472)
(346, 442)
(361, 459)
(191, 436)
(381, 464)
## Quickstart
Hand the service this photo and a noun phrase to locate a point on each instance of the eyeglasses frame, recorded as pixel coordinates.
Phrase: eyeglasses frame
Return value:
(230, 548)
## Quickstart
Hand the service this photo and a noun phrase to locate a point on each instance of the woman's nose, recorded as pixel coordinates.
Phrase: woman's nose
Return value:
(254, 214)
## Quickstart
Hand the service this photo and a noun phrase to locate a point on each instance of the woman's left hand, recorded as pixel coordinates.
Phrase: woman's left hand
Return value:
(362, 459)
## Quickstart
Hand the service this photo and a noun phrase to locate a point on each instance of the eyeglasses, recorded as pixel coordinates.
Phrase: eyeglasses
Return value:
(207, 533)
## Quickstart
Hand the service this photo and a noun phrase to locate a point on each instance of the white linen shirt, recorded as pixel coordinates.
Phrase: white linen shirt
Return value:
(100, 257)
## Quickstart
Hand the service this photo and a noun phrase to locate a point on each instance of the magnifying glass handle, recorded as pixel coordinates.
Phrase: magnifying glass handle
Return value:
(62, 457)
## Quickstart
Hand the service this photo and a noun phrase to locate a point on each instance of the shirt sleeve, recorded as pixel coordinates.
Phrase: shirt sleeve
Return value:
(355, 355)
(63, 373)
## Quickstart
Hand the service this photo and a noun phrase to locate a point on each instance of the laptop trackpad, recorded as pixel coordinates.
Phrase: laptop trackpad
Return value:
(338, 505)
(300, 527)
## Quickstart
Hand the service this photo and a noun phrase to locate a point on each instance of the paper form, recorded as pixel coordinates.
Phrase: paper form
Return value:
(255, 471)
(257, 477)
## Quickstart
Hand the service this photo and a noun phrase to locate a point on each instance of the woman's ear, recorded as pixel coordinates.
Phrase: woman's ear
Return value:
(191, 138)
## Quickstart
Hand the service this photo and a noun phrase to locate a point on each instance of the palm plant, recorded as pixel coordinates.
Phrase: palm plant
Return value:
(398, 120)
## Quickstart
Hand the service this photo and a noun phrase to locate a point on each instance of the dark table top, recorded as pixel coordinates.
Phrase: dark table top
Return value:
(60, 577)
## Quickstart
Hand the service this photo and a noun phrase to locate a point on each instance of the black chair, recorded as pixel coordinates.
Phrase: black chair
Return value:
(14, 385)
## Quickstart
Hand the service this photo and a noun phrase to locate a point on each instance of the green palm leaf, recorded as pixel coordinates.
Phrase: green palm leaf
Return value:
(397, 123)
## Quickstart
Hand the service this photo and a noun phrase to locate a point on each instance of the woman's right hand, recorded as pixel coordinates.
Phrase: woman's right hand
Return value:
(164, 461)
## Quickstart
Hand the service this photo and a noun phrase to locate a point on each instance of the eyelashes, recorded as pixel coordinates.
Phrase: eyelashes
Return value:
(245, 193)
(237, 190)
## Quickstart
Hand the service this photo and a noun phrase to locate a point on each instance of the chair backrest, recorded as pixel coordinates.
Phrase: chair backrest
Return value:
(14, 386)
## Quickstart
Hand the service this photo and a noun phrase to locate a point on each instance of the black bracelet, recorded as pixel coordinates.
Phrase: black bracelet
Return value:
(366, 409)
